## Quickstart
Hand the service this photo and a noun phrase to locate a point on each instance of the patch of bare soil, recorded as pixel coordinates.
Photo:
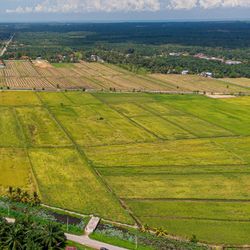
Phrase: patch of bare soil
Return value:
(217, 96)
(42, 64)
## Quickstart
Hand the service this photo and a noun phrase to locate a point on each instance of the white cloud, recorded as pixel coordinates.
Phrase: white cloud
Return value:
(78, 6)
(206, 4)
(81, 6)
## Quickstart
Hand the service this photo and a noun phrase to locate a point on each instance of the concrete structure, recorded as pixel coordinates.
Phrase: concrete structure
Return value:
(92, 225)
(185, 72)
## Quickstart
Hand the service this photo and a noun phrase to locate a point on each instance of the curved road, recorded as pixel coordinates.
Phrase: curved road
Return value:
(85, 240)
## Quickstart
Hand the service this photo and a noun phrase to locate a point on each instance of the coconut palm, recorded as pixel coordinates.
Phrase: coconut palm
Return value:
(14, 238)
(3, 229)
(52, 237)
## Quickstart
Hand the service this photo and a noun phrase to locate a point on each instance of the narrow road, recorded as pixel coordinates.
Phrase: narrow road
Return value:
(85, 240)
(6, 45)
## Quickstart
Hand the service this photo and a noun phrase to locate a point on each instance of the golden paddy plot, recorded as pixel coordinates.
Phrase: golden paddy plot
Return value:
(15, 170)
(40, 128)
(180, 162)
(194, 152)
(65, 180)
(11, 134)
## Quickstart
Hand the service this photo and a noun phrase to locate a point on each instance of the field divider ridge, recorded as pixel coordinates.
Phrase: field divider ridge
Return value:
(26, 148)
(84, 157)
(130, 120)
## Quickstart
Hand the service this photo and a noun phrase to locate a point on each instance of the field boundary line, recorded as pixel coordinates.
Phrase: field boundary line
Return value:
(196, 116)
(124, 71)
(229, 151)
(85, 159)
(234, 84)
(187, 200)
(165, 165)
(194, 218)
(26, 148)
(164, 118)
(168, 173)
(129, 119)
(122, 203)
(166, 140)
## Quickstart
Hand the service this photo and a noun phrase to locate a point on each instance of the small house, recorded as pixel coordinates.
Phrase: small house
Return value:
(185, 72)
(207, 74)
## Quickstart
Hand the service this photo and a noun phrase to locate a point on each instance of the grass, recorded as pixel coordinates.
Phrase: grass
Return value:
(63, 65)
(224, 232)
(195, 152)
(118, 242)
(15, 170)
(18, 99)
(161, 127)
(39, 127)
(54, 99)
(156, 154)
(10, 130)
(209, 210)
(98, 125)
(78, 246)
(66, 181)
(200, 186)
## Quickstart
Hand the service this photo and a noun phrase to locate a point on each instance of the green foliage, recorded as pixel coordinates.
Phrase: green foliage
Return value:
(19, 195)
(26, 235)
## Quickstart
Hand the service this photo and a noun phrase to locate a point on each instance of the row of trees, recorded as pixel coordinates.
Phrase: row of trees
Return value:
(171, 64)
(27, 235)
(19, 195)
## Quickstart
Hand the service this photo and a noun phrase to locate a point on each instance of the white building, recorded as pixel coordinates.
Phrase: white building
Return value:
(185, 72)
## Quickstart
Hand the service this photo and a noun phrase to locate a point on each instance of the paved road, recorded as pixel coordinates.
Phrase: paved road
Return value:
(85, 240)
(5, 47)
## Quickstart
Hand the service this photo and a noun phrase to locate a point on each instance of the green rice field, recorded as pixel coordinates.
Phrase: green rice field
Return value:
(178, 162)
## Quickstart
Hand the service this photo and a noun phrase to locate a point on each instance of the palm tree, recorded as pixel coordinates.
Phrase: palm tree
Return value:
(10, 192)
(25, 197)
(52, 237)
(36, 199)
(3, 229)
(14, 239)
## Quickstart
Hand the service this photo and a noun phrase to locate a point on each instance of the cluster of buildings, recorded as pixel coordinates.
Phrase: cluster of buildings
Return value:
(95, 58)
(212, 58)
(204, 74)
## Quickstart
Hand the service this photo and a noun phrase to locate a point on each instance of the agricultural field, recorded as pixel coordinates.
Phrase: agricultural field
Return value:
(178, 162)
(244, 82)
(41, 75)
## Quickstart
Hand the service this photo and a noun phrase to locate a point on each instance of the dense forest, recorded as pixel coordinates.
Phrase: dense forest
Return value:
(155, 47)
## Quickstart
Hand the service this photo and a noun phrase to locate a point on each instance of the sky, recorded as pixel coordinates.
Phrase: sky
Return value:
(122, 10)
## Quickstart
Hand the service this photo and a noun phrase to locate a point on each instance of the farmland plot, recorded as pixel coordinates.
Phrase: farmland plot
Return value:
(180, 162)
(198, 83)
(40, 129)
(244, 82)
(98, 125)
(19, 99)
(81, 190)
(11, 134)
(14, 169)
(169, 153)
